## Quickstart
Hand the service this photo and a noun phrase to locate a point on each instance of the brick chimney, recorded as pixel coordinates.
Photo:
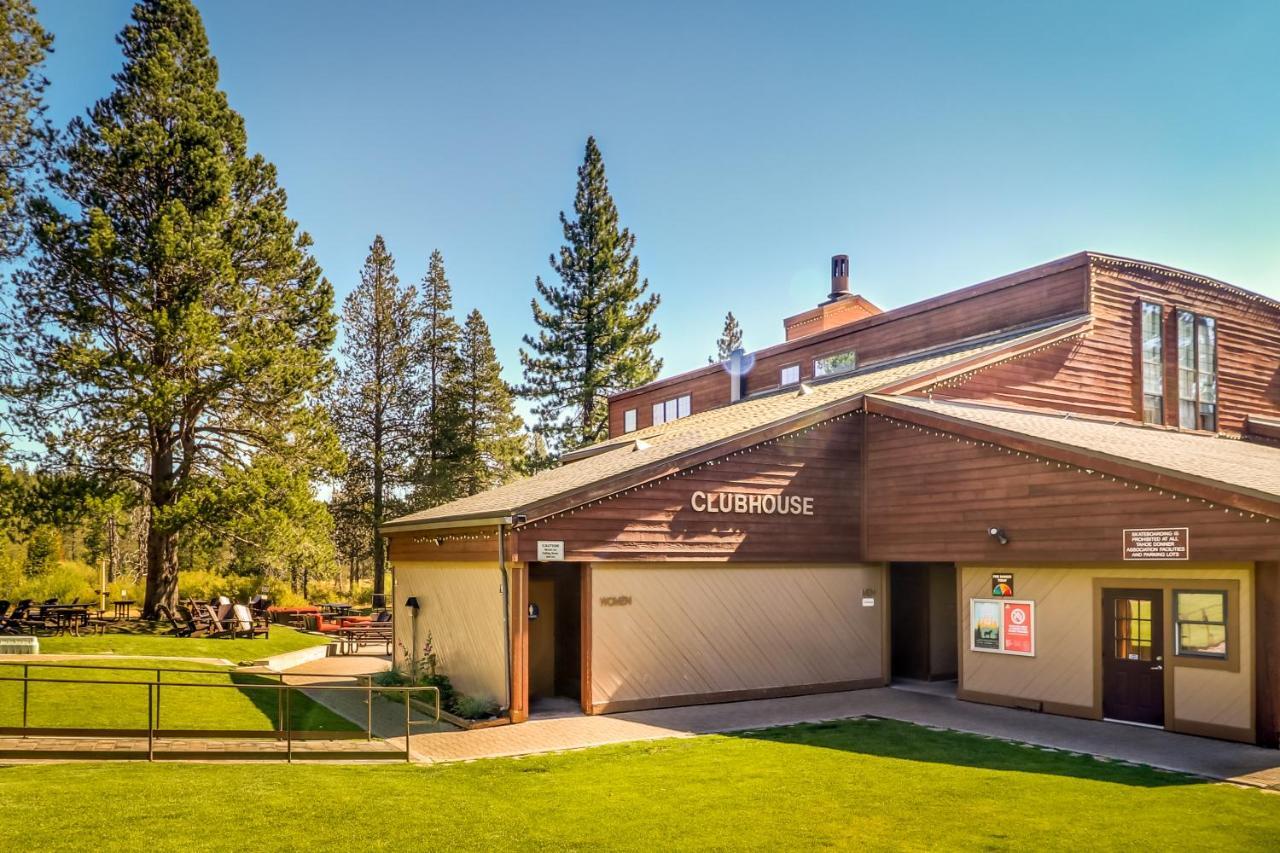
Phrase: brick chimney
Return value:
(840, 308)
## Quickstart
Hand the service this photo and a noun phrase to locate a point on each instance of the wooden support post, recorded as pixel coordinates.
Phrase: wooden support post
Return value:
(1266, 627)
(519, 642)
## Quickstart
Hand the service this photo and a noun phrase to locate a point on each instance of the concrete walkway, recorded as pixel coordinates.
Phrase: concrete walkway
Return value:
(1240, 763)
(351, 670)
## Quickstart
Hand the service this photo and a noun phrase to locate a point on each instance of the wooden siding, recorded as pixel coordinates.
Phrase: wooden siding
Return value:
(465, 544)
(1059, 293)
(1100, 374)
(690, 631)
(657, 522)
(933, 498)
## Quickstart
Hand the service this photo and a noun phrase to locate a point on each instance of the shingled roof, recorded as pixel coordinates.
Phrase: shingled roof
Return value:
(1242, 467)
(621, 462)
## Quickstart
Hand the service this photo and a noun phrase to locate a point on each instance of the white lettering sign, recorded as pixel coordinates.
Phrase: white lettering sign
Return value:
(750, 503)
(549, 551)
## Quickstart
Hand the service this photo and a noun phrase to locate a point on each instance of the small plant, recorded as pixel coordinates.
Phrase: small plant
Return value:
(473, 707)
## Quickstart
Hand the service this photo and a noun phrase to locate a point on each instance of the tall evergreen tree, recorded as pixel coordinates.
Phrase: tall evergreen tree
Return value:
(441, 414)
(730, 339)
(376, 401)
(596, 333)
(491, 441)
(23, 47)
(173, 328)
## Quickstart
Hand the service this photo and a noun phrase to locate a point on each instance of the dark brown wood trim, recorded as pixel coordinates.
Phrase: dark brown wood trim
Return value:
(1266, 606)
(585, 595)
(1182, 484)
(519, 594)
(1189, 727)
(1059, 708)
(624, 705)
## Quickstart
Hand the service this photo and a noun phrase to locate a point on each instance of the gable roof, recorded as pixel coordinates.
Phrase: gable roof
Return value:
(637, 457)
(1201, 465)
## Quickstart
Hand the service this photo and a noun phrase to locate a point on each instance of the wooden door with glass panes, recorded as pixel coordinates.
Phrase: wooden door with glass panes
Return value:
(1133, 655)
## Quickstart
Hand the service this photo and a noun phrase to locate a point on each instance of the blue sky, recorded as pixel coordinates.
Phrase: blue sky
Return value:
(938, 144)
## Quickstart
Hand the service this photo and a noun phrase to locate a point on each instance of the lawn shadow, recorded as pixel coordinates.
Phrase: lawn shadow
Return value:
(887, 738)
(305, 714)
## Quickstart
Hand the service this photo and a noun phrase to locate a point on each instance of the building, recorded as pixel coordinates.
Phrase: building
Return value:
(1060, 488)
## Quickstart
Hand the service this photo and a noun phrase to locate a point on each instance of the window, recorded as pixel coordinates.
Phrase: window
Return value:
(1197, 372)
(1152, 363)
(829, 365)
(1132, 629)
(1201, 621)
(670, 410)
(790, 375)
(629, 420)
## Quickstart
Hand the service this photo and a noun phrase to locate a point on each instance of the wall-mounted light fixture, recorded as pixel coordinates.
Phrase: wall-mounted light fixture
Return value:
(412, 601)
(999, 535)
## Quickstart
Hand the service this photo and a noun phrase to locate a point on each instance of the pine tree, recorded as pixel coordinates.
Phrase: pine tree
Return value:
(440, 417)
(379, 393)
(596, 334)
(25, 44)
(491, 440)
(730, 339)
(172, 328)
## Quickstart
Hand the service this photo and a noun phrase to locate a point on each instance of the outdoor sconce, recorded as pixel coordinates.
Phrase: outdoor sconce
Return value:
(412, 601)
(999, 535)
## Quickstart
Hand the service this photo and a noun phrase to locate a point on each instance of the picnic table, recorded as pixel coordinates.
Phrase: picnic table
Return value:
(336, 608)
(351, 638)
(66, 618)
(123, 608)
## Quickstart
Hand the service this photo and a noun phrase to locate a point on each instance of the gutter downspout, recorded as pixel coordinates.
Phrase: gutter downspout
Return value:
(506, 606)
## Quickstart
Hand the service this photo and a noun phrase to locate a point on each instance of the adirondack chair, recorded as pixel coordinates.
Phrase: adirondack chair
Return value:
(12, 623)
(216, 627)
(247, 623)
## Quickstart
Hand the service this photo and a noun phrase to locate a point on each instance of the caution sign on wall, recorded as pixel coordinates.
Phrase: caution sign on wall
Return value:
(1002, 626)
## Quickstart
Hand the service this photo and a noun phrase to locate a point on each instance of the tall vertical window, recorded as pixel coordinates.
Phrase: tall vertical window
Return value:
(1197, 372)
(1152, 363)
(629, 420)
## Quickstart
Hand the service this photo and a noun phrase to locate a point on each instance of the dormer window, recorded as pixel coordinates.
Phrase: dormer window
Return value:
(670, 410)
(790, 375)
(836, 363)
(1197, 372)
(629, 420)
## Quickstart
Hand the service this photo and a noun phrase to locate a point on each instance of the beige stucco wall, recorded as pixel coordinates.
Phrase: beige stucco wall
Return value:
(461, 606)
(1063, 669)
(693, 629)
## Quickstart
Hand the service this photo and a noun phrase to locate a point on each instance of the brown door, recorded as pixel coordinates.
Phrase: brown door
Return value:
(1133, 655)
(542, 639)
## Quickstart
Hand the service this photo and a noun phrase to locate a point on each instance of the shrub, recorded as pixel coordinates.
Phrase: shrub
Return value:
(473, 707)
(65, 580)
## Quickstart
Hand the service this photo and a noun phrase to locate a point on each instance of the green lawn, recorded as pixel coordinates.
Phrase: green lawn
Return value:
(125, 706)
(857, 785)
(282, 639)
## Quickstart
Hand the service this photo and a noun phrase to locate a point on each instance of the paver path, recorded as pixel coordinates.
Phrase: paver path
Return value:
(45, 748)
(1200, 756)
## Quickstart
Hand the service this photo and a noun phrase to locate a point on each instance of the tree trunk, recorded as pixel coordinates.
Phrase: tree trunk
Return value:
(162, 571)
(162, 544)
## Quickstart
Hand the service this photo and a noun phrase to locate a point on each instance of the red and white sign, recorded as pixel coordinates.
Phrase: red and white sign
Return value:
(1019, 638)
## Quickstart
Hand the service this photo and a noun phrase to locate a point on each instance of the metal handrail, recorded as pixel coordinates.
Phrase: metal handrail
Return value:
(283, 693)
